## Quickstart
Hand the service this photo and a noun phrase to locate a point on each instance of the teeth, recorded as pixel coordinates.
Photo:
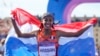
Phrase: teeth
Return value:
(48, 25)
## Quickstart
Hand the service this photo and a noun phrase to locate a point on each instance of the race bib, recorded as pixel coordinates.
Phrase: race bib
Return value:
(47, 49)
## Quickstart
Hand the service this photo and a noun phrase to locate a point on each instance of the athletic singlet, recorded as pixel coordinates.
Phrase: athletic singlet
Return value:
(47, 46)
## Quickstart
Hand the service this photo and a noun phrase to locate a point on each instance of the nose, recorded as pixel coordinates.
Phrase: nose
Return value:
(48, 21)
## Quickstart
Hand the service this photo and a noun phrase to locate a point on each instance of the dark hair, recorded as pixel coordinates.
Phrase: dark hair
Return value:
(48, 15)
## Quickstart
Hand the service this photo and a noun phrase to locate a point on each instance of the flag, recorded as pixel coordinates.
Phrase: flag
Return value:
(20, 46)
(74, 46)
(22, 17)
(76, 26)
(80, 46)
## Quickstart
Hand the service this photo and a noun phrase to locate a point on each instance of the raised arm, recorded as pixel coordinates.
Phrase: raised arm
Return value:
(73, 34)
(18, 32)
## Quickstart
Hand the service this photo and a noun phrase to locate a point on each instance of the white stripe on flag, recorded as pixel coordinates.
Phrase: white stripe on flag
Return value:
(87, 33)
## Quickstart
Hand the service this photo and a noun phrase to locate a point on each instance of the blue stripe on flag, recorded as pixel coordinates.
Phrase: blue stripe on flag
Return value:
(80, 47)
(15, 47)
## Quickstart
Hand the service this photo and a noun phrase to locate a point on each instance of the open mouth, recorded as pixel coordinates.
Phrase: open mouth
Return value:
(48, 25)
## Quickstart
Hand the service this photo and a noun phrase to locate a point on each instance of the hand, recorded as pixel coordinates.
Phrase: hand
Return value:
(12, 19)
(93, 21)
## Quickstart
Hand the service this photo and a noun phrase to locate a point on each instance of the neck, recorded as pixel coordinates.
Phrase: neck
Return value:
(47, 31)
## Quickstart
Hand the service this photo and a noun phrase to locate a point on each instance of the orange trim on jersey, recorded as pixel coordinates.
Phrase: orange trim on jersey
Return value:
(51, 38)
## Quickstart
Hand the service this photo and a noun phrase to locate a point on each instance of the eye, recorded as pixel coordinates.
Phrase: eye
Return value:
(46, 20)
(50, 19)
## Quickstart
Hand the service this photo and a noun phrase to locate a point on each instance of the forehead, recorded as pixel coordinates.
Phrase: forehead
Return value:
(48, 17)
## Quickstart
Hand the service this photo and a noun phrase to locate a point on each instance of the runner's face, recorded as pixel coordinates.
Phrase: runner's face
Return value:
(47, 22)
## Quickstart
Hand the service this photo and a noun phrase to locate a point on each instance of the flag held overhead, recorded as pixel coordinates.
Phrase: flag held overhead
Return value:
(22, 17)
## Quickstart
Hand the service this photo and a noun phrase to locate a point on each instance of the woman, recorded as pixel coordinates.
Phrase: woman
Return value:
(47, 36)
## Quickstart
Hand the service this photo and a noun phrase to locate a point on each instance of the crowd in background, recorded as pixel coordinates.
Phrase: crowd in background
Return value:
(5, 25)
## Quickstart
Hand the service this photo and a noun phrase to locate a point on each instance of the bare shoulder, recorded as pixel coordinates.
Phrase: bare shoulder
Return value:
(57, 33)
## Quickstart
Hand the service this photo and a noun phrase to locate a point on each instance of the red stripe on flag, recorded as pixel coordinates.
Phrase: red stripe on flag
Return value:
(74, 27)
(22, 17)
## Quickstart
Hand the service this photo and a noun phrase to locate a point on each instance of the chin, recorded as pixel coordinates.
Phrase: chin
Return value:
(48, 28)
